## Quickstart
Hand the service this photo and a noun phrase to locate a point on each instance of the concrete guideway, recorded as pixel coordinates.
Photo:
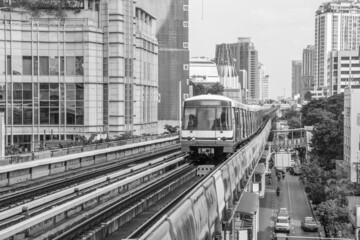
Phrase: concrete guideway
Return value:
(108, 178)
(60, 211)
(15, 173)
(213, 203)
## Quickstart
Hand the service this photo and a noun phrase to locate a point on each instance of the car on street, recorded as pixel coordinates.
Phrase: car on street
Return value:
(283, 212)
(309, 225)
(282, 224)
(280, 236)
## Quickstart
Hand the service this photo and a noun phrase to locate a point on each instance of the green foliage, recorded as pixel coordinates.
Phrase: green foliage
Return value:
(37, 8)
(333, 217)
(171, 129)
(199, 89)
(326, 116)
(307, 96)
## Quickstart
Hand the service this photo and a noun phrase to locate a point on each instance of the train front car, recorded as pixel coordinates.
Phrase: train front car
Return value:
(207, 127)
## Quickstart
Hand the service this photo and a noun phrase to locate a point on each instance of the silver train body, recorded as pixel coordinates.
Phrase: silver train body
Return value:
(214, 125)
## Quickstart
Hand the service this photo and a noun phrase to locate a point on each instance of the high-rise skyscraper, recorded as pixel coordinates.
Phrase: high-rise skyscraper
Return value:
(296, 77)
(172, 33)
(307, 82)
(247, 59)
(337, 27)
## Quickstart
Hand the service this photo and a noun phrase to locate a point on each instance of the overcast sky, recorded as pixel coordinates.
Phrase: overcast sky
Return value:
(280, 30)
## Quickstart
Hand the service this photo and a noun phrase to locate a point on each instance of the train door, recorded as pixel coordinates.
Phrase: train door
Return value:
(241, 123)
(237, 124)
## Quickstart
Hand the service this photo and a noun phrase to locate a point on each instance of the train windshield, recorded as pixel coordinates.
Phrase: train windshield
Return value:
(207, 118)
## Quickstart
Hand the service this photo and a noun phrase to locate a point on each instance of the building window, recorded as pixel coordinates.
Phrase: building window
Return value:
(186, 8)
(44, 66)
(185, 24)
(185, 45)
(54, 66)
(75, 104)
(36, 64)
(185, 67)
(27, 65)
(79, 61)
(8, 65)
(70, 66)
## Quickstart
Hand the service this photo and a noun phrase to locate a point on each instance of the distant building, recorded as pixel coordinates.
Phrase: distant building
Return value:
(337, 27)
(225, 63)
(344, 70)
(296, 69)
(264, 83)
(244, 87)
(247, 59)
(203, 71)
(352, 133)
(265, 87)
(308, 67)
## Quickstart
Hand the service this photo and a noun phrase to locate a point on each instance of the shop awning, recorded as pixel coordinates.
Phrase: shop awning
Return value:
(249, 203)
(260, 168)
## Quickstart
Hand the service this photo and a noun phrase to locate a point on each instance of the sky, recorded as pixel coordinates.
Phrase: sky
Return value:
(279, 29)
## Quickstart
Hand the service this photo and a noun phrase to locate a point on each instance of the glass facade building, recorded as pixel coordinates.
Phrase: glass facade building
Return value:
(87, 73)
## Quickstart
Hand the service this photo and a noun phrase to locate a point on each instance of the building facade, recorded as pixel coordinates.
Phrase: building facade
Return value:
(225, 63)
(307, 82)
(344, 70)
(352, 133)
(265, 87)
(87, 73)
(296, 68)
(337, 27)
(247, 59)
(203, 71)
(172, 32)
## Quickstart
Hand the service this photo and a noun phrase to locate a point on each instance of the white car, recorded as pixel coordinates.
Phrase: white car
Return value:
(282, 224)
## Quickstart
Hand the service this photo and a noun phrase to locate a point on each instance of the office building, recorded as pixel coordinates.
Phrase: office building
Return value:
(244, 87)
(307, 82)
(247, 59)
(87, 73)
(344, 70)
(296, 68)
(172, 32)
(352, 133)
(337, 27)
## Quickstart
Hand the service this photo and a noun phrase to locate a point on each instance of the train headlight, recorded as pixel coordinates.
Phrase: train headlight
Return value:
(193, 138)
(219, 139)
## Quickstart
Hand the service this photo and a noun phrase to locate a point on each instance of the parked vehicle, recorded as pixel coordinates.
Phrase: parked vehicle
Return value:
(282, 224)
(309, 225)
(280, 236)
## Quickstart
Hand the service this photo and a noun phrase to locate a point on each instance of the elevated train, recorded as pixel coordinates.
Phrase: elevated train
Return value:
(214, 126)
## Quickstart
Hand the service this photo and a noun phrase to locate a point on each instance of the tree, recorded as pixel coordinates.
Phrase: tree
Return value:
(307, 96)
(37, 8)
(294, 123)
(199, 89)
(171, 129)
(290, 113)
(217, 89)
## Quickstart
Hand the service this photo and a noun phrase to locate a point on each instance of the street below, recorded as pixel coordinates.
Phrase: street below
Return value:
(292, 197)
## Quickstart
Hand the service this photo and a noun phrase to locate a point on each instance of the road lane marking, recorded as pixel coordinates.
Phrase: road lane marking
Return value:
(287, 183)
